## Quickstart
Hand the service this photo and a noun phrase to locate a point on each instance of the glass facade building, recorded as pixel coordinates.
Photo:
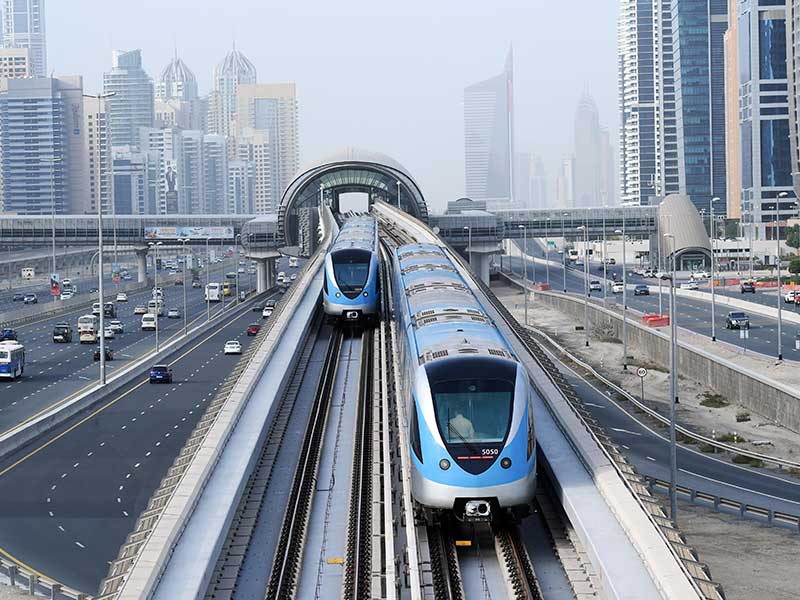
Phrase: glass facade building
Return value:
(698, 30)
(766, 158)
(131, 107)
(24, 27)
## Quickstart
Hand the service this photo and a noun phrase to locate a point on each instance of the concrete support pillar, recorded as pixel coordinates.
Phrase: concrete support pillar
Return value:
(141, 266)
(480, 265)
(262, 275)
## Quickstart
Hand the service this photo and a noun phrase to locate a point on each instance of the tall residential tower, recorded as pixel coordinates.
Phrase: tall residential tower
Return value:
(24, 27)
(131, 107)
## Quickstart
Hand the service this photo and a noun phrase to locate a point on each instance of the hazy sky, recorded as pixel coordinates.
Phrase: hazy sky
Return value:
(384, 76)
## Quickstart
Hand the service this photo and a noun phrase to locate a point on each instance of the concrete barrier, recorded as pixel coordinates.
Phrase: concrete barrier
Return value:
(767, 397)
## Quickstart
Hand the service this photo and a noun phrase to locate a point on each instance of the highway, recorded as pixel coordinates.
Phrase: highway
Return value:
(56, 372)
(694, 315)
(647, 448)
(42, 290)
(68, 502)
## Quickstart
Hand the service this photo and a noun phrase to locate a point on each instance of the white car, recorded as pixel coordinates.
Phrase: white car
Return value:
(594, 285)
(701, 275)
(173, 313)
(689, 285)
(618, 288)
(232, 347)
(293, 277)
(267, 312)
(109, 333)
(122, 297)
(140, 310)
(790, 296)
(116, 326)
(66, 295)
(148, 322)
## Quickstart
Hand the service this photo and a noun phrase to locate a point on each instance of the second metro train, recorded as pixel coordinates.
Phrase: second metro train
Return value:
(351, 286)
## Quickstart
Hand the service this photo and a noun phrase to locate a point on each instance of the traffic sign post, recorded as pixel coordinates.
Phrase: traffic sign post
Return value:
(642, 373)
(115, 270)
(55, 285)
(744, 335)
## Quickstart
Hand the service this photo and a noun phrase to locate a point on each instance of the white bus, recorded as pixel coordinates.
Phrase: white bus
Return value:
(213, 292)
(12, 359)
(87, 329)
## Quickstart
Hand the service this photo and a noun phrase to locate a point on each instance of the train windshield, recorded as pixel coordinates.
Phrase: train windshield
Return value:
(351, 269)
(472, 399)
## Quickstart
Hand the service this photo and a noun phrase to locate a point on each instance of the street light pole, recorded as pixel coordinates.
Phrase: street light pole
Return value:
(778, 263)
(564, 251)
(624, 296)
(208, 277)
(585, 230)
(155, 287)
(605, 259)
(547, 251)
(711, 226)
(185, 261)
(525, 269)
(673, 391)
(398, 193)
(100, 293)
(236, 263)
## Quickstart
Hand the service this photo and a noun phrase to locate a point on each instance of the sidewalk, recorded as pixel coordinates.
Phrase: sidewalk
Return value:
(606, 356)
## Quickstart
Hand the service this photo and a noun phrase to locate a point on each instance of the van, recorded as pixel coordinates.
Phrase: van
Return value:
(155, 307)
(148, 322)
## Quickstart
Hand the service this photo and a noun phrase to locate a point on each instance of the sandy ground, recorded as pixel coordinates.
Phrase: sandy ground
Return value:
(9, 593)
(749, 559)
(758, 434)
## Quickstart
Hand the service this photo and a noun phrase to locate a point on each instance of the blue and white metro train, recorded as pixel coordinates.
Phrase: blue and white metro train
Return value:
(469, 400)
(351, 289)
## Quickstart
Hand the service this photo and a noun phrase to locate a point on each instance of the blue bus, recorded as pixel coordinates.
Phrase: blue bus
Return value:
(12, 359)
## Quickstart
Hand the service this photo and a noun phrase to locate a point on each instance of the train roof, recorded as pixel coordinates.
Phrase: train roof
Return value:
(447, 318)
(357, 233)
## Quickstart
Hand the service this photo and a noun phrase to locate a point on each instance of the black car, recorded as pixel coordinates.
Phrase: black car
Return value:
(641, 290)
(160, 374)
(18, 297)
(736, 319)
(109, 353)
(747, 286)
(8, 334)
(62, 333)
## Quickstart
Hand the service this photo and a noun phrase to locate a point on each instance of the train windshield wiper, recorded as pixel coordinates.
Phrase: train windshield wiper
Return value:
(464, 441)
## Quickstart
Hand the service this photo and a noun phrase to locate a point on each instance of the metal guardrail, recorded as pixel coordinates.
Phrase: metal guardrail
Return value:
(722, 504)
(779, 462)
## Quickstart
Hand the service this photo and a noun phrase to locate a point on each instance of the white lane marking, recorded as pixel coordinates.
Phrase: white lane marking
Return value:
(620, 430)
(61, 528)
(79, 545)
(50, 512)
(593, 404)
(125, 512)
(650, 458)
(744, 489)
(137, 465)
(626, 447)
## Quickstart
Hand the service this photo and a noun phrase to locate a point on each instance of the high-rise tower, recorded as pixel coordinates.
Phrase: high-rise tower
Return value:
(131, 107)
(234, 70)
(489, 136)
(24, 27)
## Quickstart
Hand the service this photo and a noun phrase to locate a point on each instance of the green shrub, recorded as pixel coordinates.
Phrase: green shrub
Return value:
(713, 400)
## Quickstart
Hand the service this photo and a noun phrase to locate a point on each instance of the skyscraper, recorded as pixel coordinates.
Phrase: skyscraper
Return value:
(764, 117)
(489, 136)
(177, 81)
(51, 174)
(131, 107)
(565, 184)
(165, 146)
(733, 144)
(234, 70)
(587, 154)
(793, 74)
(254, 146)
(648, 153)
(537, 186)
(215, 173)
(241, 187)
(24, 27)
(699, 67)
(273, 108)
(14, 63)
(97, 144)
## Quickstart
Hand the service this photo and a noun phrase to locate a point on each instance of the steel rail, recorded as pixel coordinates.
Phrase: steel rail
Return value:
(289, 552)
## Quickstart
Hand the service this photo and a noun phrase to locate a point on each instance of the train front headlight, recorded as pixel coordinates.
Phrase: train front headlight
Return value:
(338, 295)
(505, 463)
(444, 464)
(366, 294)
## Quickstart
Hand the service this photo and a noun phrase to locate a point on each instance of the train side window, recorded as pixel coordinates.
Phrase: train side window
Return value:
(413, 427)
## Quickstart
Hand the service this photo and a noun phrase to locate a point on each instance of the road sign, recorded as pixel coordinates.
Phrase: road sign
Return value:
(115, 273)
(641, 372)
(55, 285)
